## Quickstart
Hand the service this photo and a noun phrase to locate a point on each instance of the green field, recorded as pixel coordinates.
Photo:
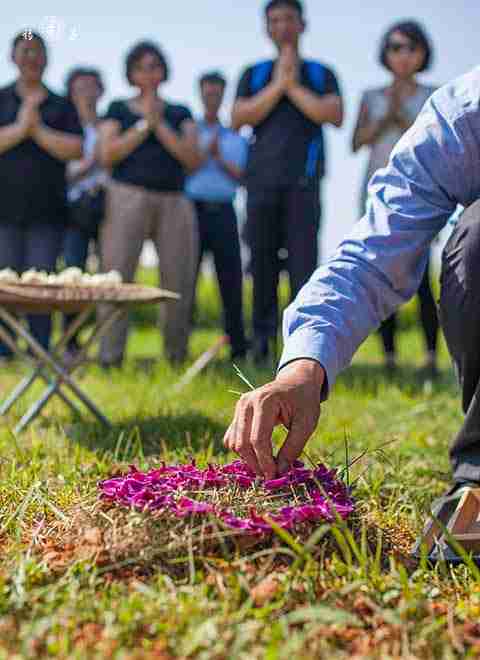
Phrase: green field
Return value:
(347, 592)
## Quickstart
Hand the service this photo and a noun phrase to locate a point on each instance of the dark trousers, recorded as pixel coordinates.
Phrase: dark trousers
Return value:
(286, 218)
(75, 253)
(33, 246)
(460, 320)
(218, 234)
(428, 319)
(75, 247)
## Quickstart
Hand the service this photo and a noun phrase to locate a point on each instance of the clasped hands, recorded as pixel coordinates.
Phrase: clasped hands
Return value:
(153, 110)
(395, 114)
(287, 69)
(29, 115)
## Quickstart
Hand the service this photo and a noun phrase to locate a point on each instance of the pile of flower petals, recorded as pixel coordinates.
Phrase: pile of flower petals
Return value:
(165, 489)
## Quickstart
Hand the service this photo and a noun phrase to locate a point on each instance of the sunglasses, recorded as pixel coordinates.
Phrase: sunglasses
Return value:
(397, 47)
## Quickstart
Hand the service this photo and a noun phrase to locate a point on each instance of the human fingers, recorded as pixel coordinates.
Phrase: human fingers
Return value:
(300, 431)
(243, 429)
(238, 430)
(265, 415)
(228, 438)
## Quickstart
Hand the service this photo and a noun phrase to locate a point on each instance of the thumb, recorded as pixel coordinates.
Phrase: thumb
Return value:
(293, 446)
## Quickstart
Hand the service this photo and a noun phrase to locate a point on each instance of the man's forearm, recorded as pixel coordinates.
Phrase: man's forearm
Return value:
(252, 111)
(327, 109)
(10, 136)
(59, 144)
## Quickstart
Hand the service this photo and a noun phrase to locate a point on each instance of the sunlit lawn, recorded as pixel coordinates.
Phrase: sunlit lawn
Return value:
(357, 596)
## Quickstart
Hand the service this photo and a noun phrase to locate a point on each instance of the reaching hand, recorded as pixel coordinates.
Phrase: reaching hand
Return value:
(292, 399)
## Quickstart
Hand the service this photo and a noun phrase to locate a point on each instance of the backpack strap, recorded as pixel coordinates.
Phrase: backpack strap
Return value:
(260, 75)
(316, 150)
(317, 75)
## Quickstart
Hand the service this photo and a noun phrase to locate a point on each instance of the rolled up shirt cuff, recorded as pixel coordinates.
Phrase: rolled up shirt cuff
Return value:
(308, 344)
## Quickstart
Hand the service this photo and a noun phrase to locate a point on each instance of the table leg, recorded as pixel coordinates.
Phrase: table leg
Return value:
(29, 380)
(44, 357)
(99, 330)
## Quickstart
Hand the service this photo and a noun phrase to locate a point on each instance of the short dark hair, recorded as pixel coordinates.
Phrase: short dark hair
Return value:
(214, 77)
(83, 71)
(28, 35)
(294, 4)
(136, 53)
(417, 35)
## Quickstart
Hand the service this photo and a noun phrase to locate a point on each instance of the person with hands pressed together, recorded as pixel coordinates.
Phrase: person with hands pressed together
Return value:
(385, 114)
(150, 144)
(39, 132)
(86, 180)
(212, 187)
(286, 102)
(375, 269)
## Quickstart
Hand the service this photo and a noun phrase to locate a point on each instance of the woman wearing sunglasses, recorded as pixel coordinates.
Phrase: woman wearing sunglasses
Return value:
(385, 114)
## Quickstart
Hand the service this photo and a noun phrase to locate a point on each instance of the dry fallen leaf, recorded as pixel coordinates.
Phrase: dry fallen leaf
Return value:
(265, 590)
(93, 536)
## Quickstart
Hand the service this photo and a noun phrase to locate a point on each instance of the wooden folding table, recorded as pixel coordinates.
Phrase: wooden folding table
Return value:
(50, 366)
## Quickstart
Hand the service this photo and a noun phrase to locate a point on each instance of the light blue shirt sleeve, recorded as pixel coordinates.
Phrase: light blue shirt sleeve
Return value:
(379, 266)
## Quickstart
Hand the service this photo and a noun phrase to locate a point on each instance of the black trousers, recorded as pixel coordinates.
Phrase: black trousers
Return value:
(428, 319)
(460, 320)
(288, 218)
(32, 246)
(218, 234)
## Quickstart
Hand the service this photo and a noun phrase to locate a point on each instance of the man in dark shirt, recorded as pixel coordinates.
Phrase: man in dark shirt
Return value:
(39, 132)
(286, 102)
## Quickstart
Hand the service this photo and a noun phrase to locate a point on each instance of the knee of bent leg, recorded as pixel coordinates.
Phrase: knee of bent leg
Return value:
(462, 252)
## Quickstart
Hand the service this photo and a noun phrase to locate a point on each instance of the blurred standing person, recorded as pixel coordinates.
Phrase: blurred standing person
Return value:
(86, 178)
(39, 133)
(287, 102)
(212, 188)
(385, 114)
(149, 143)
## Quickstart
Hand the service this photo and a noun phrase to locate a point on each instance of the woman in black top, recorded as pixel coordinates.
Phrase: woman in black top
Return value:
(149, 144)
(39, 133)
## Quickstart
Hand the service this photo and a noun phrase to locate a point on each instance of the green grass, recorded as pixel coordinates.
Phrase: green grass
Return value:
(348, 592)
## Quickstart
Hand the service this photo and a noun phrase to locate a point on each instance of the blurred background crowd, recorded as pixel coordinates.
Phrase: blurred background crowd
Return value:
(77, 181)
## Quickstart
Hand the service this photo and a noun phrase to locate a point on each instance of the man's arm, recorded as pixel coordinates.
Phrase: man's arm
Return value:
(377, 268)
(59, 144)
(252, 111)
(11, 135)
(326, 109)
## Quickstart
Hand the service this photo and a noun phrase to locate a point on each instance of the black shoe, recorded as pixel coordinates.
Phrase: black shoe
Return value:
(114, 364)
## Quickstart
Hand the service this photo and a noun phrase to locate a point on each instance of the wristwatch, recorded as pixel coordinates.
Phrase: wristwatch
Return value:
(141, 125)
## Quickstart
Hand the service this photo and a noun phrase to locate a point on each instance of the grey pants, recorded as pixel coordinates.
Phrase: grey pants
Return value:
(133, 215)
(460, 319)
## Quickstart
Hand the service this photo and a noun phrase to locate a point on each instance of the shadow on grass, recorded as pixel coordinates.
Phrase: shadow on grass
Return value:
(370, 378)
(186, 433)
